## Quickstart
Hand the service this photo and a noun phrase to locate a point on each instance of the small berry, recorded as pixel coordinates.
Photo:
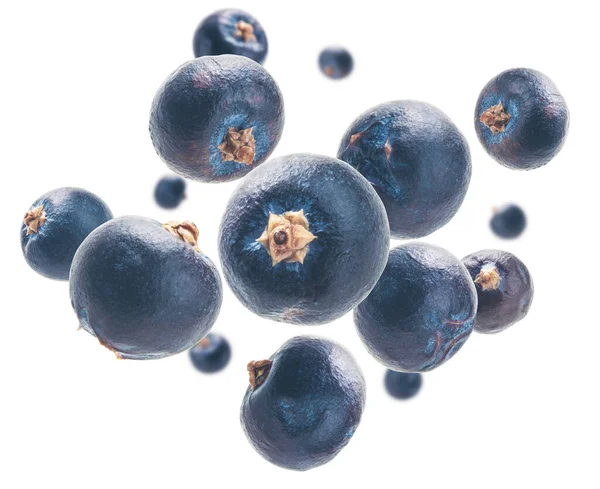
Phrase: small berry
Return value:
(336, 62)
(402, 385)
(211, 354)
(169, 191)
(231, 31)
(508, 221)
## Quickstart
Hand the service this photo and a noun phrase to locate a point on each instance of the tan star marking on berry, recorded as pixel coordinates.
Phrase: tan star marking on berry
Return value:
(34, 219)
(245, 31)
(238, 146)
(286, 237)
(495, 118)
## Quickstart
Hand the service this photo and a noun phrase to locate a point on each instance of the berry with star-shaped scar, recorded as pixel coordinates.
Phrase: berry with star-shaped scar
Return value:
(304, 240)
(286, 237)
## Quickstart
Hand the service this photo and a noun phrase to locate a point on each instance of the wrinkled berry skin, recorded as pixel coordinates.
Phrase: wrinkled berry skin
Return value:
(169, 191)
(343, 263)
(217, 35)
(421, 311)
(336, 63)
(71, 214)
(508, 222)
(143, 292)
(213, 356)
(194, 108)
(538, 124)
(402, 385)
(308, 407)
(501, 307)
(417, 161)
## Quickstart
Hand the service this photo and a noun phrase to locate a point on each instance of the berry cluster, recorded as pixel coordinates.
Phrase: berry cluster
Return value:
(304, 239)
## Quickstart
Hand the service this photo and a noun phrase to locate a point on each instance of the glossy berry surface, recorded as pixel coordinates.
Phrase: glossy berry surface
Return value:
(304, 403)
(143, 288)
(421, 311)
(521, 119)
(336, 62)
(216, 118)
(504, 289)
(231, 31)
(417, 161)
(211, 354)
(402, 385)
(508, 221)
(169, 191)
(55, 226)
(303, 240)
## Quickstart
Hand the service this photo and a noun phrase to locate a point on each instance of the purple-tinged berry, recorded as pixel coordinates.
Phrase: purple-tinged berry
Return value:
(504, 289)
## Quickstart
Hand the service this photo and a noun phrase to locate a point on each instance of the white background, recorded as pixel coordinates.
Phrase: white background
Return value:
(519, 409)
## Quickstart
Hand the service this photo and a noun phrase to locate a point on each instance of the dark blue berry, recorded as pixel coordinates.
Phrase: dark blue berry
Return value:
(304, 403)
(169, 191)
(421, 311)
(508, 221)
(521, 119)
(231, 31)
(54, 227)
(417, 161)
(336, 62)
(216, 118)
(144, 289)
(402, 385)
(211, 354)
(304, 239)
(504, 288)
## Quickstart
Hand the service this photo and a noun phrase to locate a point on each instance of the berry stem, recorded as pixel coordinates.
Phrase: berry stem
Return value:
(184, 230)
(258, 371)
(488, 278)
(34, 219)
(238, 146)
(495, 118)
(286, 237)
(245, 31)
